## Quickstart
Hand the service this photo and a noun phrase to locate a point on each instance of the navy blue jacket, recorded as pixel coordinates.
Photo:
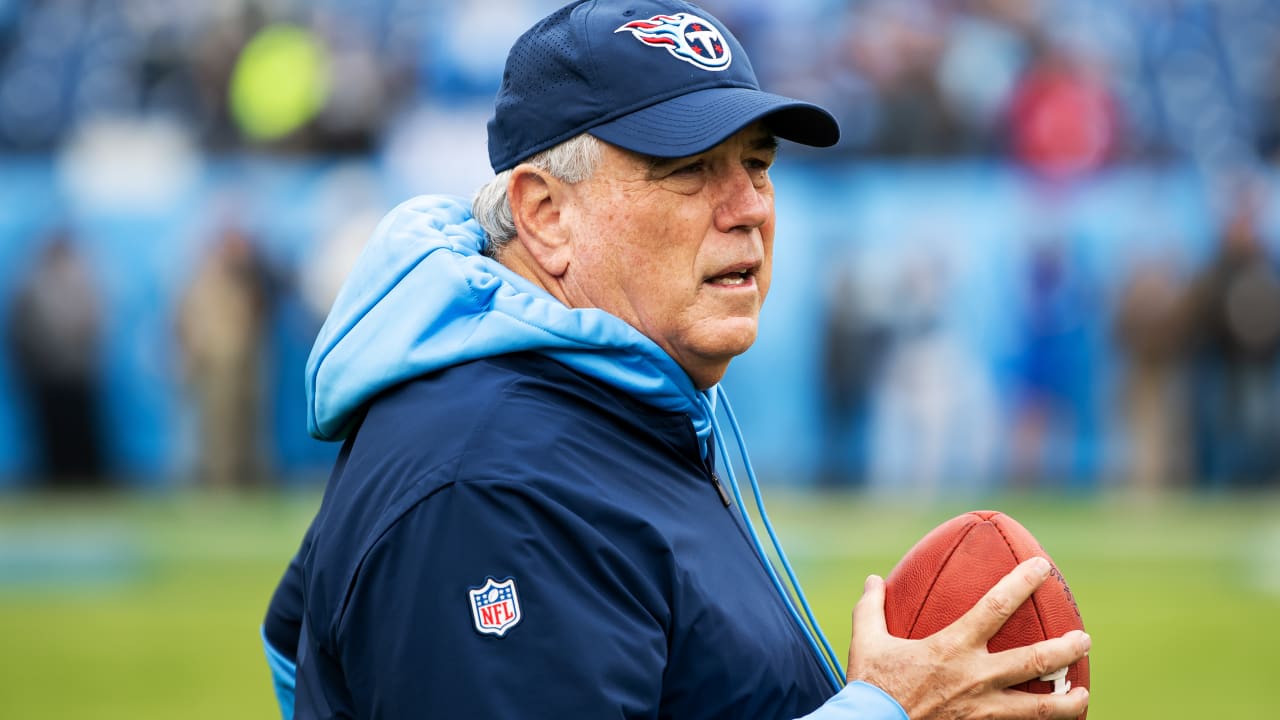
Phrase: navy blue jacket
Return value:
(640, 595)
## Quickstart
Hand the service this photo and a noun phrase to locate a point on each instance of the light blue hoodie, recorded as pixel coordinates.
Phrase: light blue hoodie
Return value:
(422, 297)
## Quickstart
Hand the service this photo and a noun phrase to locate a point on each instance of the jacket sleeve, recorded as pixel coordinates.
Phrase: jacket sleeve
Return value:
(859, 701)
(284, 671)
(488, 599)
(281, 629)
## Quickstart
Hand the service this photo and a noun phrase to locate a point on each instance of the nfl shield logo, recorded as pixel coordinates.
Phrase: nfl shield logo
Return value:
(495, 607)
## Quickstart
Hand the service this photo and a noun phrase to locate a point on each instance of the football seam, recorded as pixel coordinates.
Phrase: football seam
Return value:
(1035, 604)
(941, 566)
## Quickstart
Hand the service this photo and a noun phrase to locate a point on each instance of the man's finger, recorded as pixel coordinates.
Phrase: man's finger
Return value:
(1020, 664)
(1033, 705)
(987, 617)
(868, 614)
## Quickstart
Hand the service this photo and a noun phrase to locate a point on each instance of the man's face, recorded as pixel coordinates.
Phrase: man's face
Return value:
(680, 249)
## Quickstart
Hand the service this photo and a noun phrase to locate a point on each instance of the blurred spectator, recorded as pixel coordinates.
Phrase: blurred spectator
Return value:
(934, 418)
(1236, 305)
(1063, 121)
(978, 72)
(853, 342)
(222, 324)
(1051, 413)
(896, 47)
(1151, 333)
(54, 336)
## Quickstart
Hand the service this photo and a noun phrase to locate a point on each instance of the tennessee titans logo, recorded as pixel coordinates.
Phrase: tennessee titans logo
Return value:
(685, 36)
(495, 607)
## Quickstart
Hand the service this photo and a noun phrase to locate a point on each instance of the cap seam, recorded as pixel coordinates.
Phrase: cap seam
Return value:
(594, 67)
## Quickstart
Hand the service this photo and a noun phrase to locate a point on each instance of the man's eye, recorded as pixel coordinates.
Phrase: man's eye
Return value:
(692, 168)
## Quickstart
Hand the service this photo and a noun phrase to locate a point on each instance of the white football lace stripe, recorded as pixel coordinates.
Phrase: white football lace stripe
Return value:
(1060, 682)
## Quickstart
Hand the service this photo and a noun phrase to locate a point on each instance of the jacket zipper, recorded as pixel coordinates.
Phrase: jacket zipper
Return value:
(719, 486)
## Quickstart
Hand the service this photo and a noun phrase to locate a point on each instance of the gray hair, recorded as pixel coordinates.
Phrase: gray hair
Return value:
(572, 161)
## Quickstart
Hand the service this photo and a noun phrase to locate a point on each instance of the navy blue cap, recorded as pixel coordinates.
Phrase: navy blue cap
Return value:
(658, 77)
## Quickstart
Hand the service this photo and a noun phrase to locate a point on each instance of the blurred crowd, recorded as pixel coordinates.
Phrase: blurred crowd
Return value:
(1064, 91)
(220, 325)
(1064, 85)
(1167, 377)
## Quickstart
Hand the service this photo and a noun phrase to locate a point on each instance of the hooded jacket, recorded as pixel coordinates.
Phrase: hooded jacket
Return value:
(525, 519)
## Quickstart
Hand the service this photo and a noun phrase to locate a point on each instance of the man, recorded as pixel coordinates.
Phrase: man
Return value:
(222, 321)
(55, 338)
(526, 519)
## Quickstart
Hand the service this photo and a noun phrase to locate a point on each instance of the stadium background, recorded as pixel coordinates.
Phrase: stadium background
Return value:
(971, 292)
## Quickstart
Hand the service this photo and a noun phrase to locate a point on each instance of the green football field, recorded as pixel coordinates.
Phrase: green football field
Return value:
(148, 607)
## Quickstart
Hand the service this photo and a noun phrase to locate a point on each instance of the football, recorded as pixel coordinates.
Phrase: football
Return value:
(952, 567)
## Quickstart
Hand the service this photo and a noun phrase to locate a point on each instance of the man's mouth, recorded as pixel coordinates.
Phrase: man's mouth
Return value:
(735, 275)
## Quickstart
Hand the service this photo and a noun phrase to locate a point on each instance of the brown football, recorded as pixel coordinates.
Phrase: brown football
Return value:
(952, 567)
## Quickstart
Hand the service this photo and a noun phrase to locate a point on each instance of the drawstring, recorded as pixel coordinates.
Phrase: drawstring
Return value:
(826, 656)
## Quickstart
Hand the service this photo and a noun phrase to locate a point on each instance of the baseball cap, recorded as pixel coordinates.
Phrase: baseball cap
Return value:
(658, 77)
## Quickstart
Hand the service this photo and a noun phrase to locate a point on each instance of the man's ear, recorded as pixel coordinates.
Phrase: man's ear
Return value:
(536, 197)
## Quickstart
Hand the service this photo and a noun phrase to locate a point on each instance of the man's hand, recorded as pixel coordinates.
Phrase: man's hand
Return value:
(950, 675)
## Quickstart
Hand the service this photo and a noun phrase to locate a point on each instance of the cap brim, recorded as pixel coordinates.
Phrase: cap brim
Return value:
(700, 120)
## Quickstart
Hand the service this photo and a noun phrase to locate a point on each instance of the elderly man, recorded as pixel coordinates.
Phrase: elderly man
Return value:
(528, 518)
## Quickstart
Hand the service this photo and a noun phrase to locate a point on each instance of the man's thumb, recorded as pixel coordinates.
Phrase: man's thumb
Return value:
(868, 614)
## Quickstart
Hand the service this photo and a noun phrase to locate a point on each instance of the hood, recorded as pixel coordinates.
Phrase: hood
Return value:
(421, 298)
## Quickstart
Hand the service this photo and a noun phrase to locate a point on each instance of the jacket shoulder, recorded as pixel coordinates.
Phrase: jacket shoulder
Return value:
(508, 408)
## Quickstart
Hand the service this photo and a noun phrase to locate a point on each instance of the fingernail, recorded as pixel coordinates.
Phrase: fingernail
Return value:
(1086, 643)
(871, 579)
(1042, 566)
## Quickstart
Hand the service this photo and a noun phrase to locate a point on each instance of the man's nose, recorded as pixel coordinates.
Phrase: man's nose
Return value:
(742, 205)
